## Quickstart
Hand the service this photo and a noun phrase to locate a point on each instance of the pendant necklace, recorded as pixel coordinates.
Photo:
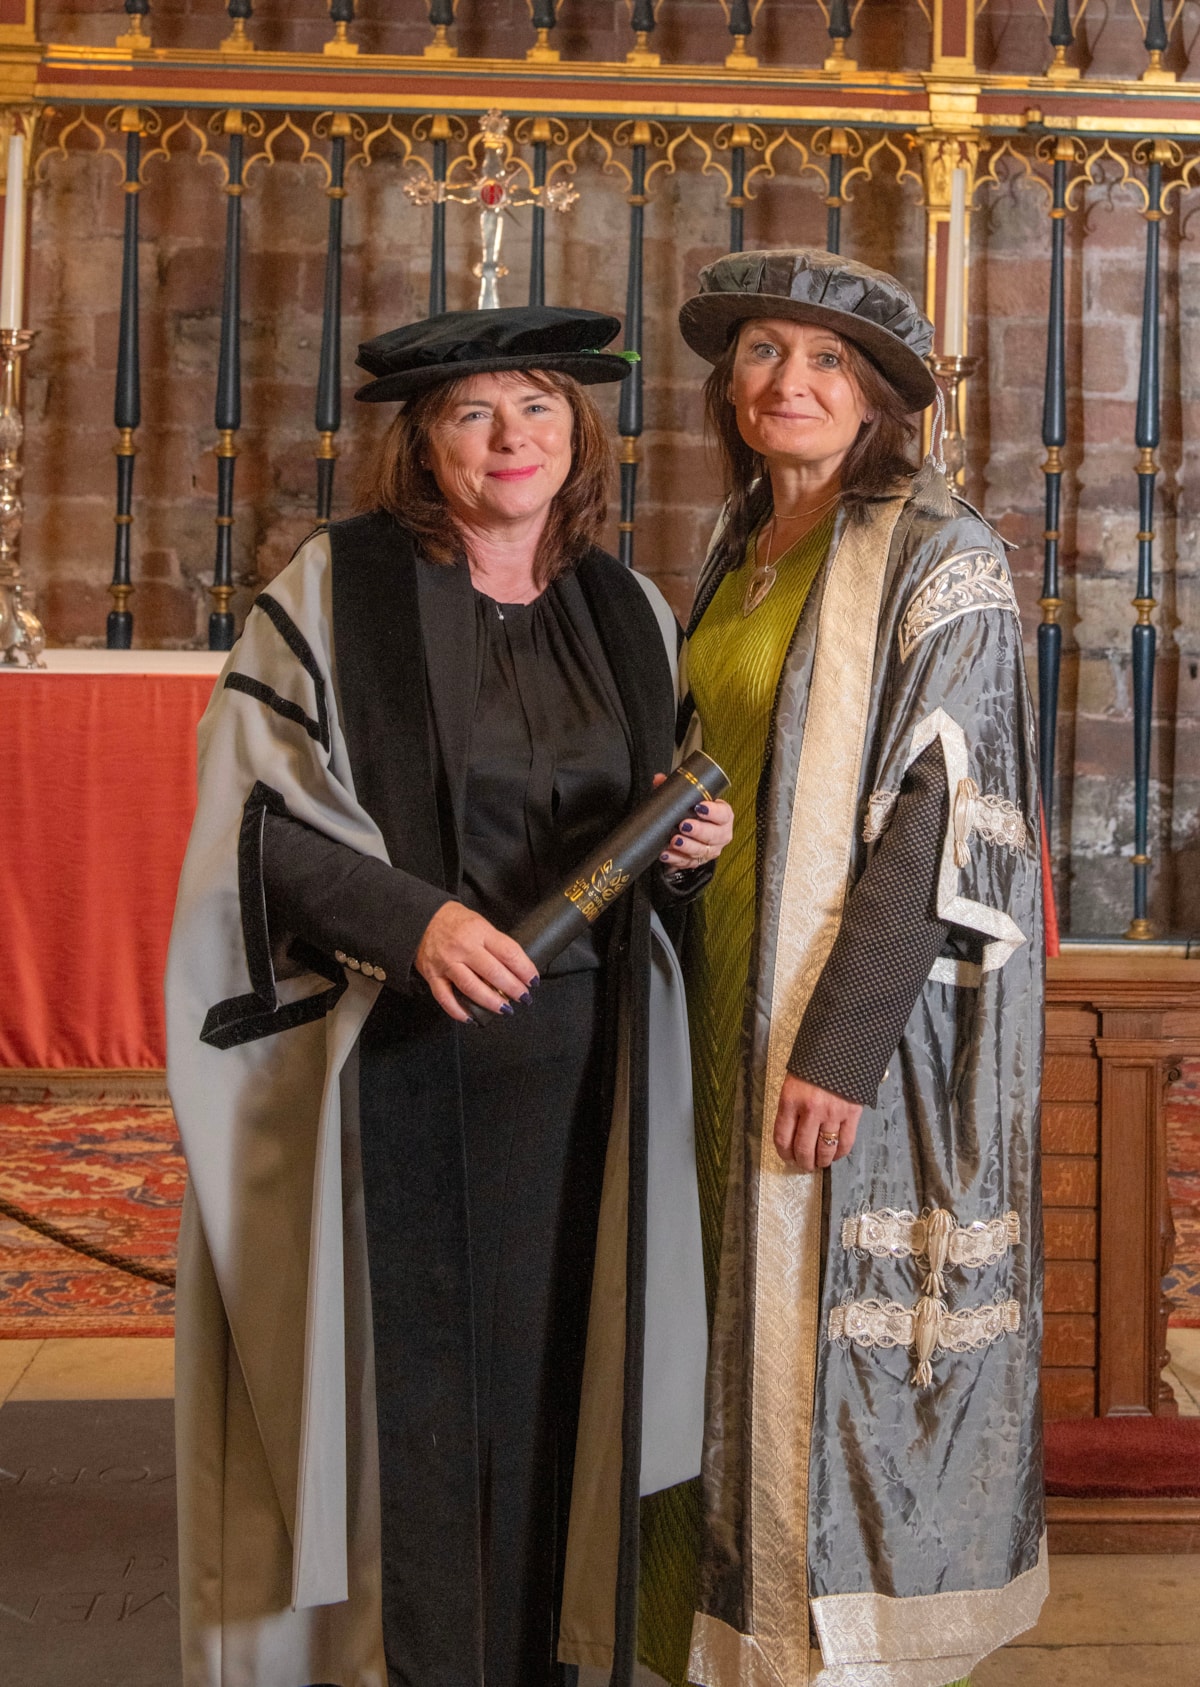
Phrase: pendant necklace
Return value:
(765, 574)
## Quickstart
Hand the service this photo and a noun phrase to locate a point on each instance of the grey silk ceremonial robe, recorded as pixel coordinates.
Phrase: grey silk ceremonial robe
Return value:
(279, 1479)
(872, 1469)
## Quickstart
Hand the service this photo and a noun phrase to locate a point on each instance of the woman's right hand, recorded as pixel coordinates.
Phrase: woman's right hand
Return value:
(462, 951)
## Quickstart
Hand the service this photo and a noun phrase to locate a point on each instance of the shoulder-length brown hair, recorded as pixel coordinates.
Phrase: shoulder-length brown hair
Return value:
(398, 481)
(879, 455)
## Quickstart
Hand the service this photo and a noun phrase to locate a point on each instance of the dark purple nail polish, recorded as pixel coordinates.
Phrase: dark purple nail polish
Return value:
(506, 1007)
(526, 999)
(534, 982)
(685, 825)
(702, 808)
(664, 856)
(678, 843)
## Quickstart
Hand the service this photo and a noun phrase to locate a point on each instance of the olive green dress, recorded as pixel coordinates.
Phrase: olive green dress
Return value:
(734, 663)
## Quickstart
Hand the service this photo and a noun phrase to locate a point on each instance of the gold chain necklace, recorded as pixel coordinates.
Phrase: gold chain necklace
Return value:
(759, 585)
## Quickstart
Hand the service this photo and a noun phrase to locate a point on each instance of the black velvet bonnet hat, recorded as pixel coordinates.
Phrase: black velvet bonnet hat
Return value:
(458, 343)
(804, 284)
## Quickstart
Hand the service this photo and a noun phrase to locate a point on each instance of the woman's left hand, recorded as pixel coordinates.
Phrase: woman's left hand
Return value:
(701, 837)
(813, 1127)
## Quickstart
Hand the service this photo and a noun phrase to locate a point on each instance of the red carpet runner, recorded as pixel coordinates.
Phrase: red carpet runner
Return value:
(1124, 1458)
(110, 1174)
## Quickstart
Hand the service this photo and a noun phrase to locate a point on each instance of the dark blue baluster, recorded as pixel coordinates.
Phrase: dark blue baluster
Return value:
(642, 22)
(833, 204)
(441, 16)
(228, 415)
(127, 401)
(739, 140)
(839, 147)
(741, 22)
(136, 36)
(1156, 39)
(1054, 437)
(629, 415)
(840, 30)
(237, 41)
(341, 16)
(329, 378)
(544, 16)
(1143, 635)
(537, 239)
(1062, 36)
(440, 131)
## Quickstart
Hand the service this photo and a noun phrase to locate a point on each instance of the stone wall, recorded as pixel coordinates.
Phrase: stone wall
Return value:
(74, 292)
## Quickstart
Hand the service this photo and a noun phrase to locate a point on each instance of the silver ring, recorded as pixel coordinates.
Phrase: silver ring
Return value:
(830, 1141)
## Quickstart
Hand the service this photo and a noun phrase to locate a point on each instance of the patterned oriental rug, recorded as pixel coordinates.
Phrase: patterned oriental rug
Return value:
(1182, 1282)
(112, 1175)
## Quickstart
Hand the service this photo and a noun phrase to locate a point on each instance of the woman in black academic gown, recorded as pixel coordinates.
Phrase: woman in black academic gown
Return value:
(527, 710)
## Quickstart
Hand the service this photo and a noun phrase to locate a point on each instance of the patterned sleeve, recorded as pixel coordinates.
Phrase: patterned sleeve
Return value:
(859, 1008)
(948, 894)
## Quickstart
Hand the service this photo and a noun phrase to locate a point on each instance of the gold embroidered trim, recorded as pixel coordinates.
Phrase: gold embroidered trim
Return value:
(928, 1327)
(994, 819)
(901, 1234)
(592, 896)
(879, 812)
(965, 582)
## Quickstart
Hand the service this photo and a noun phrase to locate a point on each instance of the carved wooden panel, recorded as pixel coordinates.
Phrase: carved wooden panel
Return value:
(1115, 1025)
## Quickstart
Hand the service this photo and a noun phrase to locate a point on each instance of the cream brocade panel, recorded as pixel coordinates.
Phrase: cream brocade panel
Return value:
(885, 1323)
(901, 1234)
(974, 813)
(940, 1635)
(786, 1266)
(874, 1640)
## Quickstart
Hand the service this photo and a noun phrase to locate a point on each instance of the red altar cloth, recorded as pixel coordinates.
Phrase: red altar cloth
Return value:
(97, 791)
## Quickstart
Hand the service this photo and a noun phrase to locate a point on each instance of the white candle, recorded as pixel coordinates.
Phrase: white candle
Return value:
(12, 264)
(956, 265)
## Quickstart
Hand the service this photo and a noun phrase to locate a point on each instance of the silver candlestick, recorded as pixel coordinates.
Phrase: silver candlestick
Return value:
(952, 372)
(21, 632)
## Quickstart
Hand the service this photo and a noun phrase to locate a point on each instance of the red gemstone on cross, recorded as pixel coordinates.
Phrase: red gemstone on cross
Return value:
(491, 194)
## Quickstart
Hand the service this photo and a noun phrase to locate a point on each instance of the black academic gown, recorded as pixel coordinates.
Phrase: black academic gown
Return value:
(403, 634)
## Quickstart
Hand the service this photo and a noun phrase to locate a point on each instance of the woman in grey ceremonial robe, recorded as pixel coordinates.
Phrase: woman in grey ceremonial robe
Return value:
(865, 991)
(398, 1220)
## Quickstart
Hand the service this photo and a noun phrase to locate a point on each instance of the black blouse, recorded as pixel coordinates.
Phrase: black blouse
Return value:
(549, 774)
(549, 770)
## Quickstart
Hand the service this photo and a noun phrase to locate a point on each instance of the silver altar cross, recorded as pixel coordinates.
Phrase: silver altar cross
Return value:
(496, 183)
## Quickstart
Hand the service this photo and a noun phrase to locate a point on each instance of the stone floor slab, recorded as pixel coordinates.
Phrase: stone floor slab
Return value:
(1184, 1348)
(100, 1368)
(15, 1359)
(1090, 1666)
(1113, 1600)
(88, 1563)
